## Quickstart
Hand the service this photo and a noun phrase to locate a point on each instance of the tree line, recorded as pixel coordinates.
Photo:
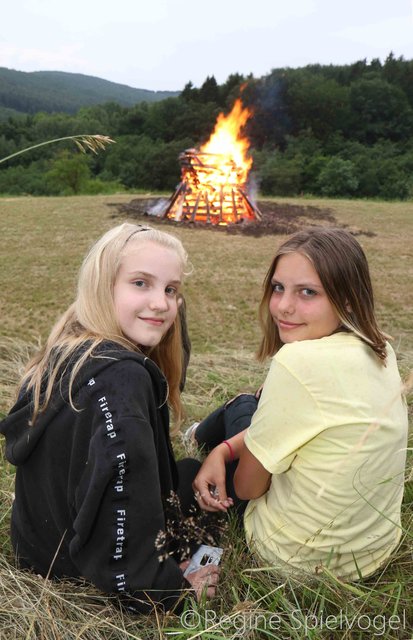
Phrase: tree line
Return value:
(339, 131)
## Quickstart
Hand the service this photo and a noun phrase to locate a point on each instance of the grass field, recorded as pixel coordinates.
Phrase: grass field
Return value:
(42, 243)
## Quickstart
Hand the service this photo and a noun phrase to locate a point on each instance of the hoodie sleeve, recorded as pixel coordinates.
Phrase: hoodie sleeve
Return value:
(118, 505)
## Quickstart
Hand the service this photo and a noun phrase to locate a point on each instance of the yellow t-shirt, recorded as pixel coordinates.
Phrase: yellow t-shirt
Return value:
(331, 428)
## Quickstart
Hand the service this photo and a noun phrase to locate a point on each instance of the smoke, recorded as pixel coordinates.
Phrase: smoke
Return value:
(158, 208)
(253, 188)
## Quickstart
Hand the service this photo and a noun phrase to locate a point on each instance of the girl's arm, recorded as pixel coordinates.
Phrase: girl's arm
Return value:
(251, 479)
(119, 510)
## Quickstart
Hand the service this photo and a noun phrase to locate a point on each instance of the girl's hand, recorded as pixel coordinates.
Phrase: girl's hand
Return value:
(203, 580)
(209, 484)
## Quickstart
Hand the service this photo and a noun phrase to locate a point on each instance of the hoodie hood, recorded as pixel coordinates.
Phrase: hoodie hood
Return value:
(21, 438)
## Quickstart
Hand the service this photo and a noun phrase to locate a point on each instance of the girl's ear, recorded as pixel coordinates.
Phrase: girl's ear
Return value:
(348, 307)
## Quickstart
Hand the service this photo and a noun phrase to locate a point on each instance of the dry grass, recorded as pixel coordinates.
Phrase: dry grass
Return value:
(42, 242)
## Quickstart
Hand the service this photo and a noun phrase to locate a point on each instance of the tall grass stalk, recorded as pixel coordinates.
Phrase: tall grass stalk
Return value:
(84, 142)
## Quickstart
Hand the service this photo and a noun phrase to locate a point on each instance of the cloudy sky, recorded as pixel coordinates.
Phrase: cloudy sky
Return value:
(163, 44)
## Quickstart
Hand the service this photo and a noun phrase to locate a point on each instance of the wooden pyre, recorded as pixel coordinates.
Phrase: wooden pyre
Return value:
(210, 191)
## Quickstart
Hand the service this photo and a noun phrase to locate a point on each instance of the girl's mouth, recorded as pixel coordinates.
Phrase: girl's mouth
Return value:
(156, 322)
(283, 324)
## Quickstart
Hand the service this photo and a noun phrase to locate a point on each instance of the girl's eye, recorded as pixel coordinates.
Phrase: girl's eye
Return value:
(308, 293)
(171, 291)
(139, 283)
(277, 287)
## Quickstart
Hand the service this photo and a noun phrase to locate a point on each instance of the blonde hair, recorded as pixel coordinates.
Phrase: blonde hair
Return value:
(342, 267)
(91, 320)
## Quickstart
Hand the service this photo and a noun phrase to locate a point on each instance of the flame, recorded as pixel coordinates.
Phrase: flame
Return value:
(227, 141)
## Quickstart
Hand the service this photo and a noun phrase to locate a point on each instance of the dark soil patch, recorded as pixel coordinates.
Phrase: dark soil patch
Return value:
(277, 218)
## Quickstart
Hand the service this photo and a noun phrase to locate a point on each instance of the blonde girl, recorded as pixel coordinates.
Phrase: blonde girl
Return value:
(89, 433)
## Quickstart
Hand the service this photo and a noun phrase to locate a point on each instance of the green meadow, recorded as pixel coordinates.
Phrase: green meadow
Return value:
(42, 242)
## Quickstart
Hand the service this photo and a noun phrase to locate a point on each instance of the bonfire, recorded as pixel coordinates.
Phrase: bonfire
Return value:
(214, 178)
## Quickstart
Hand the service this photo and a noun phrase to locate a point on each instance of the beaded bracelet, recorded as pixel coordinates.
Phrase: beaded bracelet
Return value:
(231, 451)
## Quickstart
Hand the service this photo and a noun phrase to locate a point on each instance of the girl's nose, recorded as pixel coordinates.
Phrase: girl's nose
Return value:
(286, 303)
(159, 301)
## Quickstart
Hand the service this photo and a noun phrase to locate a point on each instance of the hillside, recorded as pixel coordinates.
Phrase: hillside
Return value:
(52, 91)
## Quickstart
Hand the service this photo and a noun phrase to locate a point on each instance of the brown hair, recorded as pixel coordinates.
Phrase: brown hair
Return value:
(342, 267)
(91, 319)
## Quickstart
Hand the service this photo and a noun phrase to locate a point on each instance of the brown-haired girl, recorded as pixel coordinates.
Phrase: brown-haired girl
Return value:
(322, 463)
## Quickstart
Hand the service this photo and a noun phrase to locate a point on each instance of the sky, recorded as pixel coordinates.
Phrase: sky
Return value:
(163, 44)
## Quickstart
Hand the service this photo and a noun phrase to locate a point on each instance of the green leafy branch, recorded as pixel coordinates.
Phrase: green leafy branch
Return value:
(84, 142)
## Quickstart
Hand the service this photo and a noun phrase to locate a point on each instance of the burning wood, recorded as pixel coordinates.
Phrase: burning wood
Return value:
(213, 187)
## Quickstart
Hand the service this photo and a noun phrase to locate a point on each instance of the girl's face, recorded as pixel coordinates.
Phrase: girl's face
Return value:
(299, 305)
(145, 292)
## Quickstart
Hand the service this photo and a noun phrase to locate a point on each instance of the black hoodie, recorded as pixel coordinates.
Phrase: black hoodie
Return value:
(90, 483)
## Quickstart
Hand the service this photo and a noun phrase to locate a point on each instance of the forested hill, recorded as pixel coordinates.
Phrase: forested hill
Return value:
(57, 91)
